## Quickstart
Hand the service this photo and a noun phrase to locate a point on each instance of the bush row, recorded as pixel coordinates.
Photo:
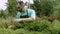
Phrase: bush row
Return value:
(37, 26)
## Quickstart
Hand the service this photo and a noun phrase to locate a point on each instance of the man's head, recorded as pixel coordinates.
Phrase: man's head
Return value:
(21, 5)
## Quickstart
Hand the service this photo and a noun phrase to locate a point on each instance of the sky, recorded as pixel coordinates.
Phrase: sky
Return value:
(31, 1)
(3, 3)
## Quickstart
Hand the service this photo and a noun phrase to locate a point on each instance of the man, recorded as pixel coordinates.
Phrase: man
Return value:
(24, 14)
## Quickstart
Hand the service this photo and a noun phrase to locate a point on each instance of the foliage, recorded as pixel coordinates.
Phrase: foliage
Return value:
(56, 27)
(34, 27)
(39, 26)
(43, 8)
(3, 13)
(12, 7)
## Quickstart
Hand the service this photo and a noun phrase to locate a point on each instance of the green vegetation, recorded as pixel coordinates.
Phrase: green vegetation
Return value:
(35, 27)
(47, 22)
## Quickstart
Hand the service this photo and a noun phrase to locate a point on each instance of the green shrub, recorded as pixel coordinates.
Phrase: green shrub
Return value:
(56, 27)
(37, 25)
(11, 7)
(6, 31)
(21, 31)
(3, 13)
(43, 8)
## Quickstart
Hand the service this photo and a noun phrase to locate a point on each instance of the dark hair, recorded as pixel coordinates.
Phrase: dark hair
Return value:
(21, 2)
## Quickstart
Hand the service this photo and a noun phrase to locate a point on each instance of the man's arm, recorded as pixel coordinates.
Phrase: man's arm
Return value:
(32, 17)
(24, 19)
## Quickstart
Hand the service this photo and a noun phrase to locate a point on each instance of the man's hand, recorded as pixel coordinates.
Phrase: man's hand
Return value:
(23, 19)
(17, 20)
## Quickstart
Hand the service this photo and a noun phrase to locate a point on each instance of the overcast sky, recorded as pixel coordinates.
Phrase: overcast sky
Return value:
(3, 3)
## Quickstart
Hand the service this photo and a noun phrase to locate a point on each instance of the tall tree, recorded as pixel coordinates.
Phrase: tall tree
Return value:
(12, 7)
(43, 8)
